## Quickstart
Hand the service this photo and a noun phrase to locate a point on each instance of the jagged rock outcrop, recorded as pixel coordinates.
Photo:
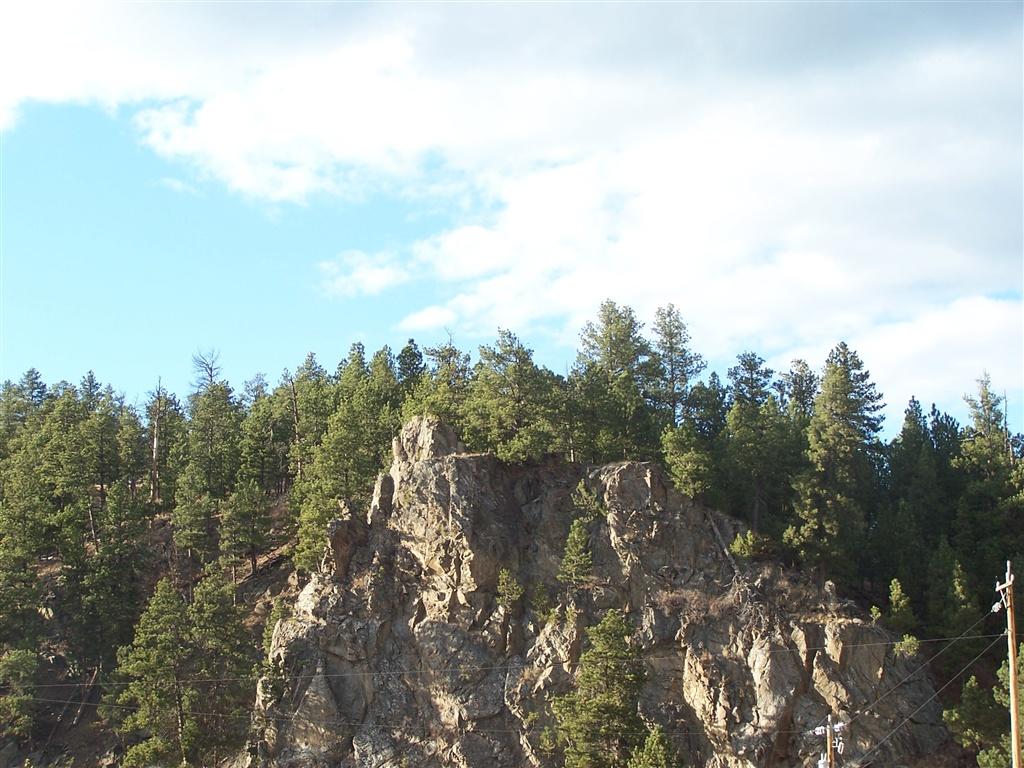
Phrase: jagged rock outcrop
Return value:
(397, 653)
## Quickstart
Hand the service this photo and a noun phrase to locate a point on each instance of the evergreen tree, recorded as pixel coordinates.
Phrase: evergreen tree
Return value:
(194, 518)
(511, 404)
(690, 461)
(901, 617)
(441, 391)
(750, 379)
(113, 579)
(265, 439)
(981, 720)
(158, 668)
(694, 452)
(910, 509)
(760, 448)
(245, 523)
(222, 664)
(655, 752)
(707, 407)
(410, 366)
(131, 448)
(577, 563)
(991, 505)
(951, 605)
(352, 452)
(835, 494)
(99, 440)
(17, 692)
(166, 440)
(33, 388)
(187, 674)
(800, 387)
(598, 725)
(214, 431)
(308, 399)
(678, 365)
(509, 590)
(614, 379)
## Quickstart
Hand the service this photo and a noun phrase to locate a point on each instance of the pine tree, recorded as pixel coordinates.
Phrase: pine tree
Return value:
(616, 371)
(188, 675)
(901, 617)
(800, 387)
(263, 449)
(17, 692)
(166, 437)
(245, 523)
(597, 722)
(511, 404)
(352, 452)
(157, 667)
(835, 494)
(309, 400)
(131, 448)
(222, 666)
(577, 563)
(906, 519)
(761, 452)
(410, 366)
(214, 431)
(655, 752)
(442, 390)
(509, 591)
(690, 461)
(194, 518)
(987, 529)
(750, 379)
(99, 441)
(112, 585)
(678, 365)
(981, 720)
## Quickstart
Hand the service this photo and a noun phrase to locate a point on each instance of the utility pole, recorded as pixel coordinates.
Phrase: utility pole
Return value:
(1005, 591)
(833, 741)
(830, 752)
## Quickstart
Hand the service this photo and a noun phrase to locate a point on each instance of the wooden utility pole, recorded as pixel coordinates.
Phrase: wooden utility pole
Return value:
(830, 751)
(833, 741)
(1005, 591)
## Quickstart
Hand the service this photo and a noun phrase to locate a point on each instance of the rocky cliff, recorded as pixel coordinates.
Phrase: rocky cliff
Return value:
(398, 653)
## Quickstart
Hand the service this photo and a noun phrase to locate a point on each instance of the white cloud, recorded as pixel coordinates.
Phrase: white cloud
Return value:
(785, 186)
(355, 273)
(428, 319)
(177, 185)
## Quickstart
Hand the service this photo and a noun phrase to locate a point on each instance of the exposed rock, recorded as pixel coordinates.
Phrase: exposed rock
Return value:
(344, 535)
(397, 654)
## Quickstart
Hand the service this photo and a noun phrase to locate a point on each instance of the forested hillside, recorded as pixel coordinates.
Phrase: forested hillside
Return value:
(124, 530)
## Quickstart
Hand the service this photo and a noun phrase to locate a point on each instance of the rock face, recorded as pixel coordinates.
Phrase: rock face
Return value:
(398, 654)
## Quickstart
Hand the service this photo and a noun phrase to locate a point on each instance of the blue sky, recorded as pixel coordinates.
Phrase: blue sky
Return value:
(272, 179)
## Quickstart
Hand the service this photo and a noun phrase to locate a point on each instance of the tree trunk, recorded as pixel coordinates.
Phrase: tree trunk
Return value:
(154, 466)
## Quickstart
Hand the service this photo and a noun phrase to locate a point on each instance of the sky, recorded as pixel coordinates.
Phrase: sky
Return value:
(270, 179)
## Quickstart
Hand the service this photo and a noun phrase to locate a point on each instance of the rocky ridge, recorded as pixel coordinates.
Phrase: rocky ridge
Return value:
(398, 654)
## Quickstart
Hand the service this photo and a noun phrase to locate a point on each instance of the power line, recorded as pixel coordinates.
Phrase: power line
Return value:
(298, 717)
(963, 636)
(862, 758)
(508, 667)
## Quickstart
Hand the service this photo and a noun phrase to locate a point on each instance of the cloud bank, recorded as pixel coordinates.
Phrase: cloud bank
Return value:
(788, 175)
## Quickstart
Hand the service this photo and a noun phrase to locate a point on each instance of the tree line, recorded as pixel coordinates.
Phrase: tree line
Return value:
(90, 485)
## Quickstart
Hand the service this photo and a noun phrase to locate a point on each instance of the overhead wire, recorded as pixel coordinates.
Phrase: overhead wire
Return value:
(860, 761)
(490, 668)
(297, 716)
(929, 661)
